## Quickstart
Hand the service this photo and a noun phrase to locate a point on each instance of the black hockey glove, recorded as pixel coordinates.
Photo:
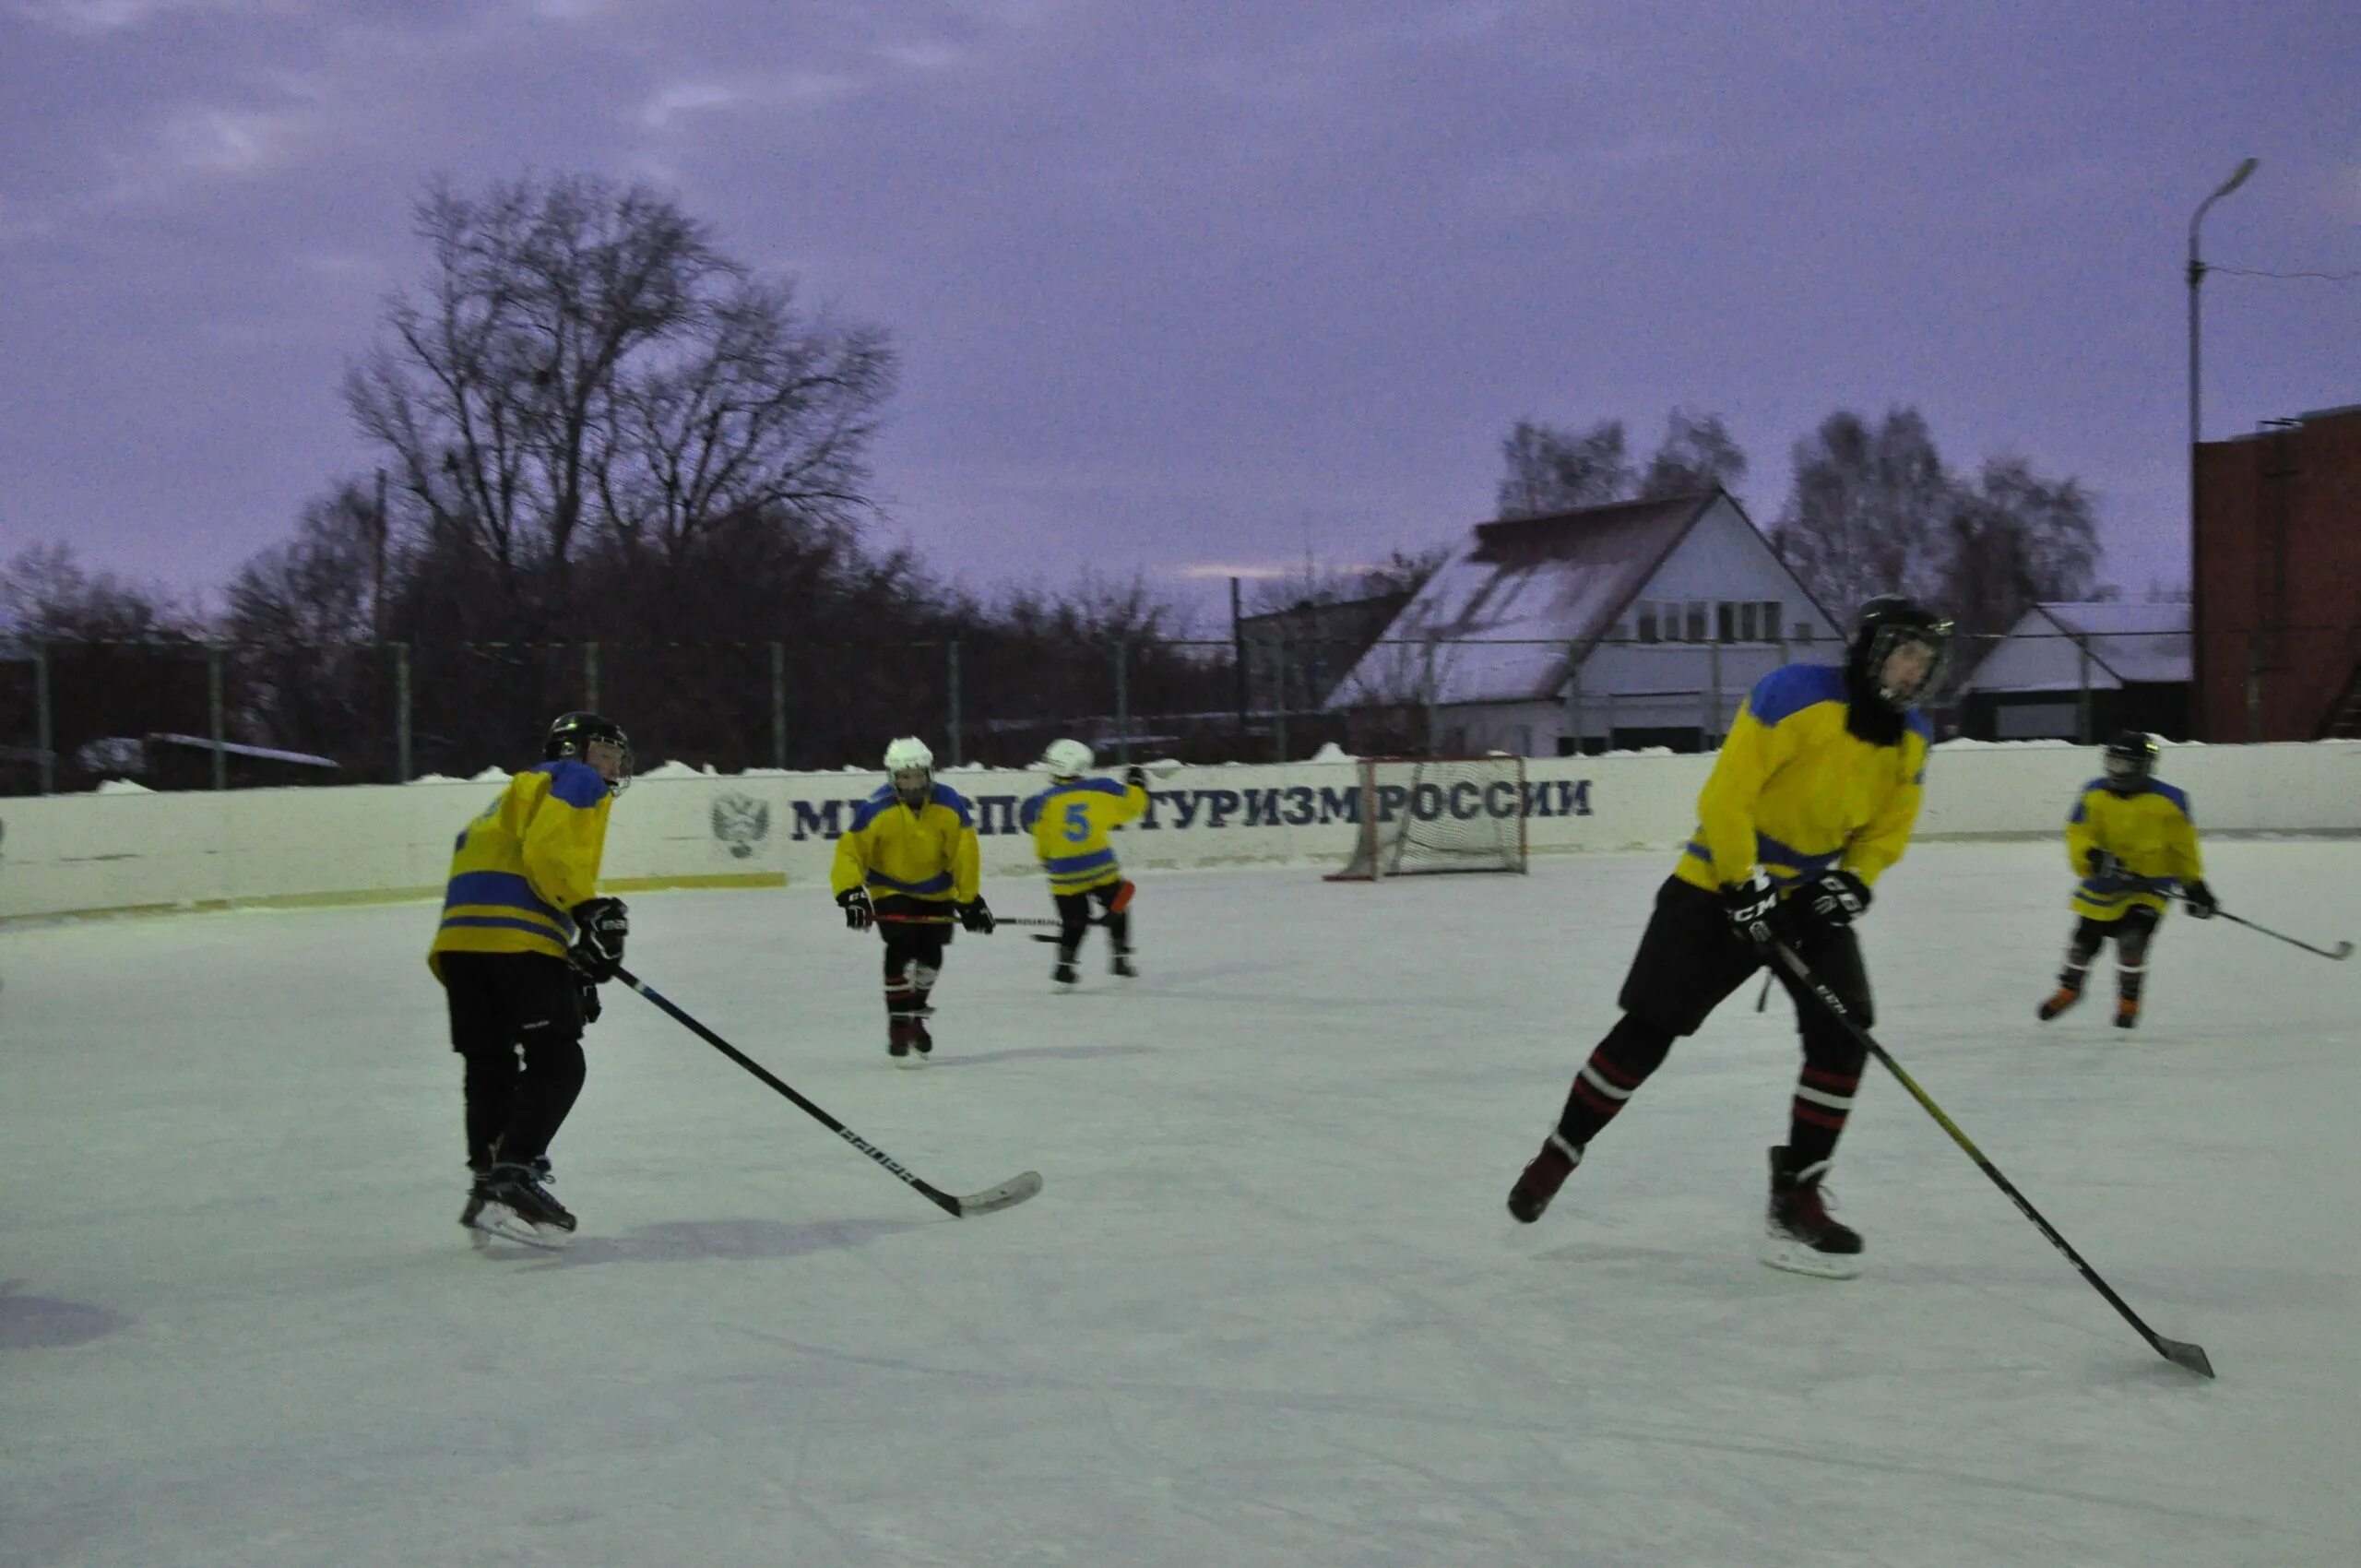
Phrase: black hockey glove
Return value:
(2106, 864)
(977, 916)
(2202, 904)
(1753, 909)
(1837, 898)
(599, 927)
(587, 994)
(1135, 775)
(859, 911)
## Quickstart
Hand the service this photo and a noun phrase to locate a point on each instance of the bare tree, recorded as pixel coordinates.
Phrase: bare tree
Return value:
(582, 356)
(1698, 455)
(2015, 540)
(1869, 510)
(1549, 470)
(49, 598)
(752, 413)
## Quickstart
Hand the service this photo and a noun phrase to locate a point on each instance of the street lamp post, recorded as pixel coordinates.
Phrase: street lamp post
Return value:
(2196, 434)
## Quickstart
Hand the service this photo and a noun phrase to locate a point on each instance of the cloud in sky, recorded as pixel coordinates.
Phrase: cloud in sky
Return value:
(1187, 283)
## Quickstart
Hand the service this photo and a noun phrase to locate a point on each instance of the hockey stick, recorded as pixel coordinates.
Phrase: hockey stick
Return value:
(2340, 952)
(1014, 1191)
(2179, 1352)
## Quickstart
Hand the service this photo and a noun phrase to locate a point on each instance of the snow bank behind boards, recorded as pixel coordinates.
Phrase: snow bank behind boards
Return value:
(133, 850)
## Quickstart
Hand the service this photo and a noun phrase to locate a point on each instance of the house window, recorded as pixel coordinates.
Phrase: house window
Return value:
(1771, 621)
(1647, 622)
(1696, 621)
(1750, 622)
(1803, 631)
(1725, 622)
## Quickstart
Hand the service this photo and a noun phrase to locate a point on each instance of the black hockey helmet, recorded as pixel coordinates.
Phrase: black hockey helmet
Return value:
(570, 736)
(2130, 761)
(1892, 621)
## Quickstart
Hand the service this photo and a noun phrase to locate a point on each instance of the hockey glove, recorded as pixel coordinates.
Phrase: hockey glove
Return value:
(1135, 775)
(2202, 904)
(587, 994)
(977, 916)
(859, 910)
(599, 927)
(2106, 864)
(1753, 909)
(1838, 899)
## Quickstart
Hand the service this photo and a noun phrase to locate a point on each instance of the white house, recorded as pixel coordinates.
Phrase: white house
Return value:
(1636, 624)
(2083, 671)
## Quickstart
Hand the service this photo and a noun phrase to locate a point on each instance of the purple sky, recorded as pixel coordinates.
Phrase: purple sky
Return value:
(1187, 289)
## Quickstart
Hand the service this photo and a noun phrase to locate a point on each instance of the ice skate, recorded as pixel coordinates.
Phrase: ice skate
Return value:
(1542, 1176)
(2127, 1012)
(899, 1030)
(2065, 996)
(1121, 967)
(517, 1207)
(1803, 1237)
(1065, 973)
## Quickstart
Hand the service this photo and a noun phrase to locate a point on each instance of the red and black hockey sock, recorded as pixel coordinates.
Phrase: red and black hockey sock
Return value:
(1617, 1067)
(2131, 958)
(1816, 1118)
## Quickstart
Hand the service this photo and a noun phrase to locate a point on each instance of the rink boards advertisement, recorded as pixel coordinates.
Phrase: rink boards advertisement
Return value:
(677, 828)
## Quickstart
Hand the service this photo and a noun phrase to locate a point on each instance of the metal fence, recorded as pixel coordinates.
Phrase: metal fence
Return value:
(218, 715)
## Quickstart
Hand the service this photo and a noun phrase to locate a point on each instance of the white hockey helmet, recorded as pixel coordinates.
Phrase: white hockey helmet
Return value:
(1067, 759)
(908, 752)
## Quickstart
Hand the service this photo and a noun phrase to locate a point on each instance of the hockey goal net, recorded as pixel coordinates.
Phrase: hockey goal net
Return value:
(1421, 815)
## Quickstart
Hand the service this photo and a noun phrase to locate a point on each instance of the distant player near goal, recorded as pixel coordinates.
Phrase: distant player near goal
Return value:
(1070, 821)
(1438, 813)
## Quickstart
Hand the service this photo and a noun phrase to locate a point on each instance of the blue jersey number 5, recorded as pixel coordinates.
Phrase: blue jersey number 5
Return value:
(1077, 821)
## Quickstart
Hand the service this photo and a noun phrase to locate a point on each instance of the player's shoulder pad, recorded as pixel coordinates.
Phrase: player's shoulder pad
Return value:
(866, 811)
(1789, 690)
(2173, 792)
(1104, 786)
(1920, 724)
(574, 782)
(945, 795)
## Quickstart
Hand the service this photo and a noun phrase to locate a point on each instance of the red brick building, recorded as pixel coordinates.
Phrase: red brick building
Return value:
(2277, 594)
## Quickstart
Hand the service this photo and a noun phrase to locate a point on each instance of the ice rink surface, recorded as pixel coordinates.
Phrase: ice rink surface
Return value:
(1268, 1310)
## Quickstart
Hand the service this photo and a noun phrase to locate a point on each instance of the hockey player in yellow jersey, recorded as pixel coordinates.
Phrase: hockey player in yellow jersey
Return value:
(1070, 822)
(524, 943)
(908, 865)
(2131, 840)
(1812, 797)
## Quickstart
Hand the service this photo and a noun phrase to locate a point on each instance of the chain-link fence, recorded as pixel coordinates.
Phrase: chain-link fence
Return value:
(200, 715)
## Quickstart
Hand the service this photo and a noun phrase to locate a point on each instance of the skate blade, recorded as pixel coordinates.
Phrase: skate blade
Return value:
(1793, 1256)
(909, 1063)
(508, 1225)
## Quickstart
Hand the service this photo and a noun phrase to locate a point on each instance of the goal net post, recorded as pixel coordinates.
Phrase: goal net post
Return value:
(1422, 816)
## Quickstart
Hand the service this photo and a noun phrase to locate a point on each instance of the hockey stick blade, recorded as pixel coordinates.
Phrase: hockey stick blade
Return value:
(1017, 1189)
(2181, 1353)
(1007, 1195)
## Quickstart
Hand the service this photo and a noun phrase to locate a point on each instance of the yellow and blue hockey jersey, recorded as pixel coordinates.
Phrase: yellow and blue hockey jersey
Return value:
(1796, 791)
(521, 867)
(929, 853)
(1070, 821)
(2149, 831)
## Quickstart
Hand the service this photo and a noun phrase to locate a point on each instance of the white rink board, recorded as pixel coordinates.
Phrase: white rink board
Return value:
(87, 853)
